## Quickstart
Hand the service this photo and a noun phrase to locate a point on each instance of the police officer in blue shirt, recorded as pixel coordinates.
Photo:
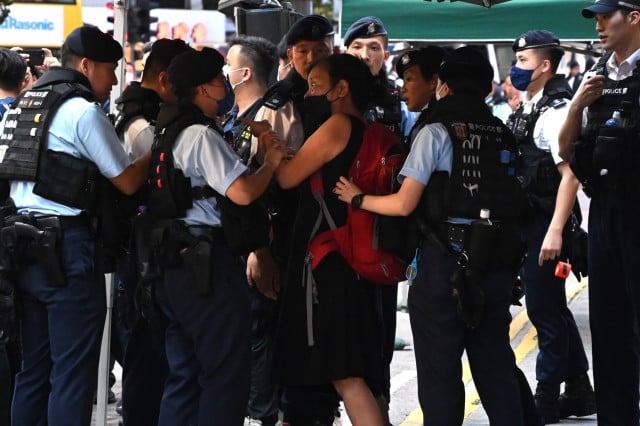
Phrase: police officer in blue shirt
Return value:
(475, 317)
(61, 289)
(206, 300)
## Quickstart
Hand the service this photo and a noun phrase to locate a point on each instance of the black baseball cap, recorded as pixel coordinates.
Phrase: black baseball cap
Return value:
(195, 67)
(610, 6)
(366, 27)
(466, 65)
(90, 42)
(535, 39)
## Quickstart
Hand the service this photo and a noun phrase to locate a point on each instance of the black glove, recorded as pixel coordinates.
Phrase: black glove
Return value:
(126, 312)
(469, 297)
(7, 304)
(579, 254)
(144, 300)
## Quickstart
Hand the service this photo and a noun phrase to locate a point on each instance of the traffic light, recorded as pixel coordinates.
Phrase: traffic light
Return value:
(139, 24)
(111, 18)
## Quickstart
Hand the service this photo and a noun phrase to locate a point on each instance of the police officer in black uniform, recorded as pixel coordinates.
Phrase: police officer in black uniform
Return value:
(605, 157)
(551, 191)
(470, 209)
(144, 368)
(53, 185)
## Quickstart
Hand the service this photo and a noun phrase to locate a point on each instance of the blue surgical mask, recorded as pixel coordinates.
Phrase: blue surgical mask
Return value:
(225, 104)
(520, 78)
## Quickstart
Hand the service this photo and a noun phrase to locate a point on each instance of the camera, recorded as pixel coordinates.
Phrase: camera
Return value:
(36, 56)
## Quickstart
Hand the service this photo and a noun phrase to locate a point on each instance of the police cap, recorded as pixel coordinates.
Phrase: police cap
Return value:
(535, 39)
(467, 68)
(89, 42)
(310, 27)
(610, 6)
(366, 27)
(427, 58)
(195, 67)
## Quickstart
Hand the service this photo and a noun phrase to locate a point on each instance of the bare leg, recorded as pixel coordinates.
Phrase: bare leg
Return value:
(362, 407)
(383, 405)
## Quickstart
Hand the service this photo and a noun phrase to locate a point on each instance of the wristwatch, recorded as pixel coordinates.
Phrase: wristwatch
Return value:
(356, 201)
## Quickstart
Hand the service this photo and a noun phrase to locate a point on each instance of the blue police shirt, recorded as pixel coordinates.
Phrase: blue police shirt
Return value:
(79, 128)
(204, 156)
(431, 151)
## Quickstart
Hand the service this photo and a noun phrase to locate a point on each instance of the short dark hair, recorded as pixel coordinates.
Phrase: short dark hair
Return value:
(13, 69)
(260, 53)
(354, 71)
(68, 58)
(162, 52)
(553, 53)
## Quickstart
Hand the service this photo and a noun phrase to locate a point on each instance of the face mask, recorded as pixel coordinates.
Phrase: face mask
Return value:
(317, 110)
(281, 69)
(227, 73)
(438, 90)
(225, 104)
(520, 79)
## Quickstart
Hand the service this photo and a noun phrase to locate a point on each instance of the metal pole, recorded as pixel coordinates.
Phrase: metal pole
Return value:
(119, 34)
(103, 366)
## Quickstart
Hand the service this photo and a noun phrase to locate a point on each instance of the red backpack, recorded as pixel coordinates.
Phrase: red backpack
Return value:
(373, 170)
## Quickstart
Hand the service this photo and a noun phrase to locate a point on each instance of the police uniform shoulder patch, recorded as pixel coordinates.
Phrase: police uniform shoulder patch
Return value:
(460, 130)
(405, 59)
(557, 103)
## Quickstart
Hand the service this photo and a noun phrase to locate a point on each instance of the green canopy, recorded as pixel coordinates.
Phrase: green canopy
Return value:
(418, 20)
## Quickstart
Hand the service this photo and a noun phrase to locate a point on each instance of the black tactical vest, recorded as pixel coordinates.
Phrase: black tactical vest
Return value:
(170, 191)
(136, 101)
(607, 157)
(483, 172)
(24, 156)
(538, 170)
(238, 134)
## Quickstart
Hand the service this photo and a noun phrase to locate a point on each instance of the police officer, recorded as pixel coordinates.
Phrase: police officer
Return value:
(551, 191)
(419, 71)
(367, 39)
(204, 294)
(61, 288)
(476, 316)
(309, 38)
(139, 104)
(605, 159)
(249, 63)
(145, 365)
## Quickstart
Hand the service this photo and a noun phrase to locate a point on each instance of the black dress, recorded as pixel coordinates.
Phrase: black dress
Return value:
(346, 325)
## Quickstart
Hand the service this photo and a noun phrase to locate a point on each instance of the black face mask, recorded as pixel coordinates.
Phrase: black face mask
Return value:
(317, 110)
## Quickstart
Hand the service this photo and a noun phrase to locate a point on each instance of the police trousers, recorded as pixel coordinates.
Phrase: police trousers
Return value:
(440, 337)
(561, 355)
(614, 304)
(207, 344)
(61, 334)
